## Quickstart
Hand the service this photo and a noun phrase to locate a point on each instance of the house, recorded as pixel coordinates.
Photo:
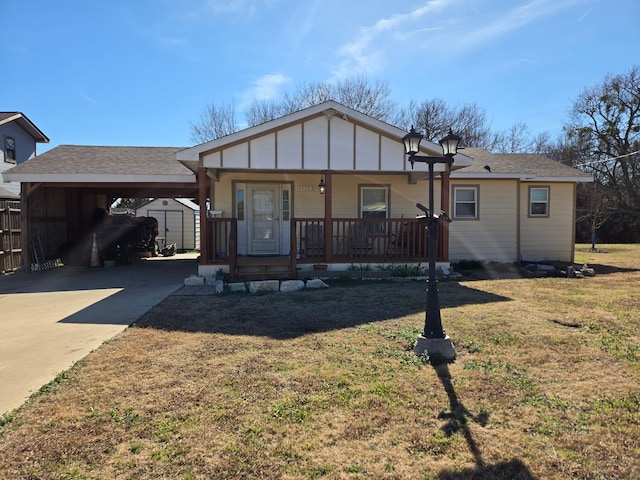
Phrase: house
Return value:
(266, 180)
(327, 186)
(19, 137)
(178, 221)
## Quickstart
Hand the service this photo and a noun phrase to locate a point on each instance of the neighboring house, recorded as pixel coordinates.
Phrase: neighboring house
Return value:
(8, 195)
(18, 137)
(261, 203)
(178, 221)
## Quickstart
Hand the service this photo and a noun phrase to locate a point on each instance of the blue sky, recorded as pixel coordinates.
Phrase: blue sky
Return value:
(139, 72)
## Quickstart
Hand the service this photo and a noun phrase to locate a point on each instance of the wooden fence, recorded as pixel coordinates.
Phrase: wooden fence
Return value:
(10, 236)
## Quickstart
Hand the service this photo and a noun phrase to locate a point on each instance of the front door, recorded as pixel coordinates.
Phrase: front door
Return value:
(264, 220)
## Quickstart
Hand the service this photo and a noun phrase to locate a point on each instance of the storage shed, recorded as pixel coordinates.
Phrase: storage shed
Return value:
(178, 221)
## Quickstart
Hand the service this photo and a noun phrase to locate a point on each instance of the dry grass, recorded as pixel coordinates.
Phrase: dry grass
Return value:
(322, 384)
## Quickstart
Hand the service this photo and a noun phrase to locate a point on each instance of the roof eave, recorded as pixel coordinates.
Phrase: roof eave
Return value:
(525, 177)
(94, 177)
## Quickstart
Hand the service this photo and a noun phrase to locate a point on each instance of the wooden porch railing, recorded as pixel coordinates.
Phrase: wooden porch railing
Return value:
(221, 236)
(350, 240)
(362, 240)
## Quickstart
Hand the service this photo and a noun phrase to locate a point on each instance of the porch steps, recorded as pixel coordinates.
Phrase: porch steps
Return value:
(263, 268)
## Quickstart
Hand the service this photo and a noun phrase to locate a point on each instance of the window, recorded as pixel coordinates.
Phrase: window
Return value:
(240, 204)
(539, 201)
(374, 202)
(465, 202)
(286, 208)
(9, 150)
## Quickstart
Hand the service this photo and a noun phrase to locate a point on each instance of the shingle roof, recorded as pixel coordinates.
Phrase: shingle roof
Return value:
(25, 123)
(94, 160)
(521, 164)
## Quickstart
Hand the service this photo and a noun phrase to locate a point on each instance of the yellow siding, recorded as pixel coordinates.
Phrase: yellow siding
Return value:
(549, 238)
(494, 235)
(503, 211)
(402, 198)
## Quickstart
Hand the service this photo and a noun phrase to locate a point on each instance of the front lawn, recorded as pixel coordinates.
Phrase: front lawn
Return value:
(323, 384)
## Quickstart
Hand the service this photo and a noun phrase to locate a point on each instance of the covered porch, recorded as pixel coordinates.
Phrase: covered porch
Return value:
(318, 241)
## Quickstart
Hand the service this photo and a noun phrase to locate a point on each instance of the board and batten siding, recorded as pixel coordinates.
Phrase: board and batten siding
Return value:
(493, 235)
(552, 237)
(318, 144)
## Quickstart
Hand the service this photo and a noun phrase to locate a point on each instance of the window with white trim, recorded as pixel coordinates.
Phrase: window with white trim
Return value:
(374, 202)
(539, 201)
(465, 202)
(9, 150)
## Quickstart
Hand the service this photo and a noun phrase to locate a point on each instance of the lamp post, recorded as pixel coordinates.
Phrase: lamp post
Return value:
(433, 340)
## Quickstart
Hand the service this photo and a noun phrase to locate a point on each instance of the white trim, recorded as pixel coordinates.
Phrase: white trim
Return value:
(96, 178)
(531, 177)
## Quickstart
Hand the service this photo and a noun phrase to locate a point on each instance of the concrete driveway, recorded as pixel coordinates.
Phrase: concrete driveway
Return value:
(49, 320)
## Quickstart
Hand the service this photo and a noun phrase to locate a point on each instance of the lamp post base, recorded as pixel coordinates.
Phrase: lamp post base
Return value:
(437, 348)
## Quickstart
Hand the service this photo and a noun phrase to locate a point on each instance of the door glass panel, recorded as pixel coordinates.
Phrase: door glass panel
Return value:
(263, 221)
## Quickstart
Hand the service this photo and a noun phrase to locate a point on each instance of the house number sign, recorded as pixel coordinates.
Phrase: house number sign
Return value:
(304, 188)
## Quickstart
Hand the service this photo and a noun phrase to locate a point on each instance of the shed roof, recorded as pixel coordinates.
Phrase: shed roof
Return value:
(525, 166)
(22, 120)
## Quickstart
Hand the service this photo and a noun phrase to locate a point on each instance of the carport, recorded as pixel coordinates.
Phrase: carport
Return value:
(62, 188)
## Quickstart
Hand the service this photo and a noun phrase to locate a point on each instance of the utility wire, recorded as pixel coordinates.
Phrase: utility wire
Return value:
(607, 159)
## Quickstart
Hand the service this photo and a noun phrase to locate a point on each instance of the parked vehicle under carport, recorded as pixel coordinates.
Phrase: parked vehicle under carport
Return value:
(121, 237)
(118, 238)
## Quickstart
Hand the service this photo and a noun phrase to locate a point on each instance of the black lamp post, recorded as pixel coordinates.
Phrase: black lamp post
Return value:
(433, 340)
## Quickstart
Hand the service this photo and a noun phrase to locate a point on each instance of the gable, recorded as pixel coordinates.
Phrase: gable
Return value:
(25, 124)
(328, 136)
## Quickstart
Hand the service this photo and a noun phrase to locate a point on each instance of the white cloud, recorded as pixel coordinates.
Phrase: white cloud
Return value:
(368, 52)
(511, 20)
(266, 87)
(452, 29)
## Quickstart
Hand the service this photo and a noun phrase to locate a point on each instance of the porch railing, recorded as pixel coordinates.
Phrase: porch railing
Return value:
(362, 240)
(349, 240)
(221, 237)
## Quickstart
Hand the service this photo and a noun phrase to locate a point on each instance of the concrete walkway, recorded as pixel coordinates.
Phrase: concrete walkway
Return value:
(49, 320)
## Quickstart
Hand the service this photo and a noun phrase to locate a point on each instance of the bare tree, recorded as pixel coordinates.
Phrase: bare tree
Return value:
(359, 93)
(516, 139)
(605, 126)
(262, 111)
(434, 118)
(372, 99)
(215, 121)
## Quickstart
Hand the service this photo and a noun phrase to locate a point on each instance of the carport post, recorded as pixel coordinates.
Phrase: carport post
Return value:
(202, 199)
(25, 236)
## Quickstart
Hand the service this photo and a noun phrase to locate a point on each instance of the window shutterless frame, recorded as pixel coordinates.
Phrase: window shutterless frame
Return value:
(465, 202)
(539, 201)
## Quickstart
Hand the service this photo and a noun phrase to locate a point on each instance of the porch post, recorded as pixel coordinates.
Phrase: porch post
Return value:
(444, 205)
(202, 200)
(328, 217)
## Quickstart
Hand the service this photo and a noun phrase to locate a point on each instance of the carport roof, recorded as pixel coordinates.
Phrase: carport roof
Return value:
(97, 164)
